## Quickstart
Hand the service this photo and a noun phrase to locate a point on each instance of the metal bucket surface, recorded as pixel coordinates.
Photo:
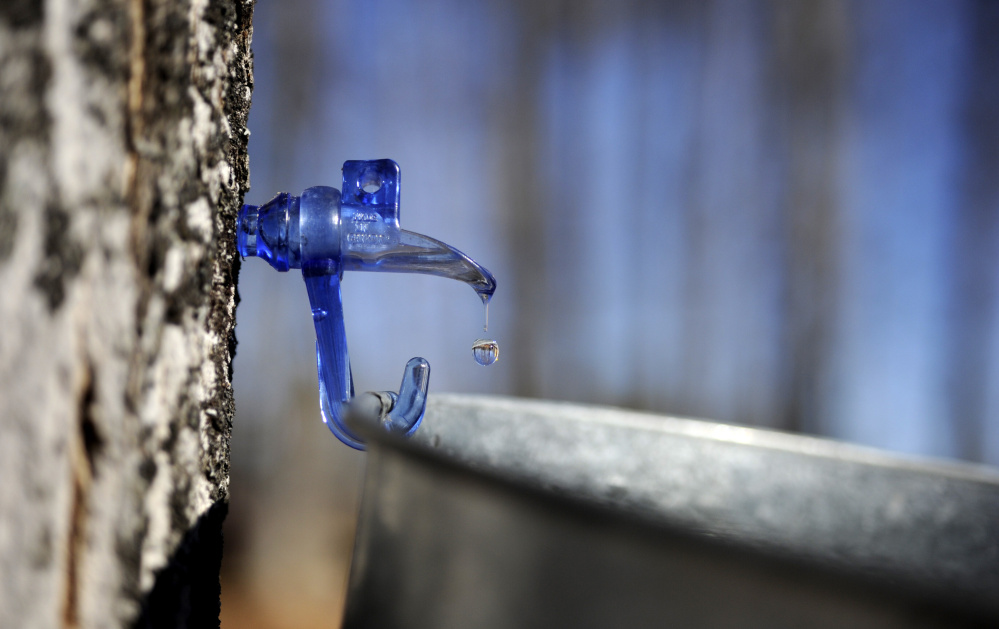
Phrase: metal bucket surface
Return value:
(514, 513)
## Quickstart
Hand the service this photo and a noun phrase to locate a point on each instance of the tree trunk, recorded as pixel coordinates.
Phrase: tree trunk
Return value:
(122, 165)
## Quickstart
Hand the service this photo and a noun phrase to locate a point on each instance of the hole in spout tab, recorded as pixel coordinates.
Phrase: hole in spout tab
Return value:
(371, 182)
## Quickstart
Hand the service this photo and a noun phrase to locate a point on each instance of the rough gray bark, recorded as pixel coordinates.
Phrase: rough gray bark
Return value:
(122, 164)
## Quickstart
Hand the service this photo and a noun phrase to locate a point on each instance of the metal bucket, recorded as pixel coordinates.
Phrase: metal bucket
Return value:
(516, 513)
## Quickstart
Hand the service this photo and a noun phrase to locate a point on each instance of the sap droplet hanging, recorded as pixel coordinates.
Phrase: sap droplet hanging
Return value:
(485, 351)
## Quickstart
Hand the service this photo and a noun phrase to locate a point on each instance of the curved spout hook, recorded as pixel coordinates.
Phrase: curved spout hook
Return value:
(403, 411)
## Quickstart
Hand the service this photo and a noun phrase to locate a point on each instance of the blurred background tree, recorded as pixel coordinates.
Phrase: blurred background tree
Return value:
(774, 213)
(122, 165)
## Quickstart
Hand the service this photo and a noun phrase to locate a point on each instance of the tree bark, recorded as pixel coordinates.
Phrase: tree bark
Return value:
(122, 165)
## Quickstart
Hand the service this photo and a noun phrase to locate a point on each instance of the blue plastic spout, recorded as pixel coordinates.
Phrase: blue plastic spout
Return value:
(325, 232)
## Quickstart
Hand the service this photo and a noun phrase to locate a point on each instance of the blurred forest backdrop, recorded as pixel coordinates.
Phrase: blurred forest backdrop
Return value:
(782, 214)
